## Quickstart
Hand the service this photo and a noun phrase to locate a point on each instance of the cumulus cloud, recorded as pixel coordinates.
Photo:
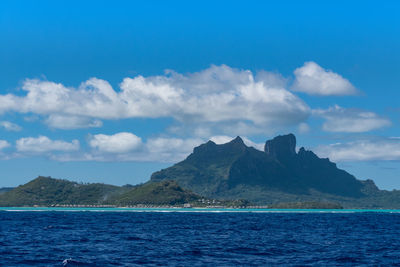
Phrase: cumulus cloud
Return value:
(117, 143)
(219, 94)
(4, 144)
(9, 126)
(340, 119)
(362, 150)
(71, 122)
(313, 79)
(44, 144)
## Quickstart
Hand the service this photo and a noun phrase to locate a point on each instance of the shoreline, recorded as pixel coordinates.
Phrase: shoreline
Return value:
(192, 210)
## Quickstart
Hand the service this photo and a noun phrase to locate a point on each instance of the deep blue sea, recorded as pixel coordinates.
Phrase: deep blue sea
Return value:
(57, 238)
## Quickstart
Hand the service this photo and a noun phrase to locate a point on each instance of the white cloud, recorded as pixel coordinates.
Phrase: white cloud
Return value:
(118, 143)
(9, 126)
(71, 122)
(339, 119)
(43, 144)
(363, 150)
(4, 144)
(313, 79)
(219, 94)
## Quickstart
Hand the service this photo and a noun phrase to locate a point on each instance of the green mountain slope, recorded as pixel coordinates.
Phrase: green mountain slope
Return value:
(277, 174)
(46, 191)
(162, 193)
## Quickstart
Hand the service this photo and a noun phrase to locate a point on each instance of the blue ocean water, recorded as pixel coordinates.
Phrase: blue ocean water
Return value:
(50, 238)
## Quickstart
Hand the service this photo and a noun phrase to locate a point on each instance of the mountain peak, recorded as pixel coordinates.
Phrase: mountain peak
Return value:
(237, 140)
(236, 144)
(210, 143)
(205, 148)
(282, 146)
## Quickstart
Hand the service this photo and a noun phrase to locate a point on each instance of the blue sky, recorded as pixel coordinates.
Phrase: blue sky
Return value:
(112, 91)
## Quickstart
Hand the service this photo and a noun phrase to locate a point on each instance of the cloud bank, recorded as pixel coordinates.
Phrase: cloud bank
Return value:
(216, 103)
(363, 150)
(219, 94)
(44, 144)
(338, 119)
(117, 143)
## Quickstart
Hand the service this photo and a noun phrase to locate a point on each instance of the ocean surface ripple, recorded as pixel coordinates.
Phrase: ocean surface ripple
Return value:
(198, 239)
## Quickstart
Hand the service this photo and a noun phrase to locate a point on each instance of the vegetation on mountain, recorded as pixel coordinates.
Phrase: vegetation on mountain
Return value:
(46, 191)
(162, 193)
(278, 174)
